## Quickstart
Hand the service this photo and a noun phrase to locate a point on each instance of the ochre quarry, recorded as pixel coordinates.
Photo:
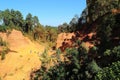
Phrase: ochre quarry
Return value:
(22, 58)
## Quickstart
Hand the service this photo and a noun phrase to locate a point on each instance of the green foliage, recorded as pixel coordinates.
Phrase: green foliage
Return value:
(93, 67)
(115, 52)
(4, 52)
(63, 28)
(103, 6)
(51, 33)
(105, 30)
(45, 58)
(3, 55)
(5, 49)
(106, 26)
(109, 73)
(74, 56)
(56, 73)
(47, 34)
(35, 21)
(31, 22)
(73, 24)
(70, 69)
(11, 17)
(2, 42)
(71, 27)
(93, 49)
(39, 33)
(107, 52)
(58, 52)
(28, 23)
(67, 70)
(3, 28)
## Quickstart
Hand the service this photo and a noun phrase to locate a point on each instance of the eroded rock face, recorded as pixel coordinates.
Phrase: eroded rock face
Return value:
(65, 40)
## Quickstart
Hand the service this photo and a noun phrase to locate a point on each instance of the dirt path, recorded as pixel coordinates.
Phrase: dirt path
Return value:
(22, 60)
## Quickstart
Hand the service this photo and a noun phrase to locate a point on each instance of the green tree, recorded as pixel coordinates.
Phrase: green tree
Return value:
(105, 31)
(35, 21)
(115, 52)
(51, 33)
(104, 7)
(6, 17)
(63, 28)
(11, 18)
(28, 23)
(39, 33)
(73, 23)
(17, 18)
(1, 17)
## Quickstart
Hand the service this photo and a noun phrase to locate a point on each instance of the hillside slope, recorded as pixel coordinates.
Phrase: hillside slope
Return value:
(22, 59)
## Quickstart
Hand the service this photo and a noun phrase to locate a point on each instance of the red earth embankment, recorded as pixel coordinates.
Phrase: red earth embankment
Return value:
(65, 40)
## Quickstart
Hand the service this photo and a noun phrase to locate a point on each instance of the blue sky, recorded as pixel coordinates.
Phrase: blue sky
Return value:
(49, 12)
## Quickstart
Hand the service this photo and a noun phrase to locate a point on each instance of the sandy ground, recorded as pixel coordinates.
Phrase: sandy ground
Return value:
(23, 59)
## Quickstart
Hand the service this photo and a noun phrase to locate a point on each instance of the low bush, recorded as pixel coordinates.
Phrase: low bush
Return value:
(4, 52)
(2, 42)
(109, 73)
(5, 48)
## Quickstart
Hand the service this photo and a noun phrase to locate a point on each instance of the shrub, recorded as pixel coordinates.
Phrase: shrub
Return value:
(2, 43)
(45, 58)
(93, 67)
(114, 52)
(107, 52)
(4, 52)
(70, 69)
(2, 55)
(109, 73)
(5, 49)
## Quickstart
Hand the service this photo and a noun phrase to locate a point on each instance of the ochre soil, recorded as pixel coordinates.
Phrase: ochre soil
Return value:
(22, 59)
